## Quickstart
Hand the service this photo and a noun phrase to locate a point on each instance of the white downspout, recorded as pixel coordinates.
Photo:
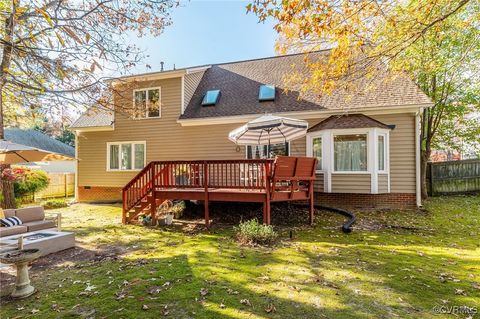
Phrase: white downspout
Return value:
(76, 166)
(417, 158)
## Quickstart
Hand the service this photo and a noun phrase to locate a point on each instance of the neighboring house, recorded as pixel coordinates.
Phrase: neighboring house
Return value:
(367, 142)
(443, 156)
(42, 141)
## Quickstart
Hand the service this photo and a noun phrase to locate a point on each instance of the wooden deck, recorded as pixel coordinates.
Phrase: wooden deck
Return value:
(261, 181)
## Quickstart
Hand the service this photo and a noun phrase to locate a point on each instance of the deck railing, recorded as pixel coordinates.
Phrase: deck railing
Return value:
(233, 174)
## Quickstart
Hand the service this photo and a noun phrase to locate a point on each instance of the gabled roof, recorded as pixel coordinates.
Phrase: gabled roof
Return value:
(348, 121)
(37, 139)
(94, 117)
(239, 83)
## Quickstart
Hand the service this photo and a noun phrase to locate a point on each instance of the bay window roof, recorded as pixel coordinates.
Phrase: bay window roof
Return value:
(348, 121)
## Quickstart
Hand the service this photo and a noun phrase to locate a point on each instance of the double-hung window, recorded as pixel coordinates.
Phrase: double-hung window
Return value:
(125, 156)
(146, 103)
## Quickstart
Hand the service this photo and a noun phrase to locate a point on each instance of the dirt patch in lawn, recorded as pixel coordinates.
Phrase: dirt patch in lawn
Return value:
(64, 258)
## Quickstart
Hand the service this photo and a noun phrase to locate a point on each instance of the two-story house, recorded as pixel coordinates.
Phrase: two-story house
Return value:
(366, 142)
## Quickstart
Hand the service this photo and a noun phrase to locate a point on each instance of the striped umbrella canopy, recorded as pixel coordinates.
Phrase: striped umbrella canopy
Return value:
(269, 129)
(13, 153)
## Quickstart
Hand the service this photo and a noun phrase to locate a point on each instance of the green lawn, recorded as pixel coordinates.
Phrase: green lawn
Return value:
(398, 264)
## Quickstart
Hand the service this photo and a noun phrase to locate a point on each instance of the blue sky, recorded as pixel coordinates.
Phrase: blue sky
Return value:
(205, 32)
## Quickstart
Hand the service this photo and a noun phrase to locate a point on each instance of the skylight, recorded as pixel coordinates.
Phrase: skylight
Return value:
(266, 93)
(211, 97)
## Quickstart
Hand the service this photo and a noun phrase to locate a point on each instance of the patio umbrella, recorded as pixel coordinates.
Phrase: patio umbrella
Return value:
(12, 153)
(269, 129)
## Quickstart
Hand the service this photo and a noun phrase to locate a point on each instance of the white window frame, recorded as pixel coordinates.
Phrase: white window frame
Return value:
(310, 137)
(338, 132)
(385, 152)
(328, 155)
(246, 148)
(146, 103)
(133, 143)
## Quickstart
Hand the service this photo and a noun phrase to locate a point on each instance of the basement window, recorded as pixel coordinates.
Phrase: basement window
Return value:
(211, 97)
(266, 93)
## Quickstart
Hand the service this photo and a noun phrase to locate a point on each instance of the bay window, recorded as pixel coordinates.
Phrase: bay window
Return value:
(362, 153)
(350, 152)
(125, 156)
(146, 103)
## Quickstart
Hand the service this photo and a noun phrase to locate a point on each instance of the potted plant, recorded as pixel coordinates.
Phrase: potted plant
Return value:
(164, 213)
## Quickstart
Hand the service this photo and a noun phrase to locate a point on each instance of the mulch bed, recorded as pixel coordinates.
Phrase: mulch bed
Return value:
(232, 213)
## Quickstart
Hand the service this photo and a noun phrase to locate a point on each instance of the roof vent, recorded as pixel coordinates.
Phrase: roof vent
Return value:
(211, 97)
(266, 93)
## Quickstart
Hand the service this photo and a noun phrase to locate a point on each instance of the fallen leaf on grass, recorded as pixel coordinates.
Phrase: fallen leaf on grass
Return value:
(34, 311)
(232, 292)
(203, 291)
(245, 302)
(270, 308)
(90, 287)
(460, 292)
(153, 290)
(145, 307)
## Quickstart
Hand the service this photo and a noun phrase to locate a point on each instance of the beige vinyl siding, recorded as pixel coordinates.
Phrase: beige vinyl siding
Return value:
(191, 82)
(351, 183)
(319, 183)
(167, 140)
(383, 183)
(402, 151)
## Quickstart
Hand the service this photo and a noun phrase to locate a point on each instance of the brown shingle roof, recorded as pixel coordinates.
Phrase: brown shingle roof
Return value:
(348, 121)
(239, 83)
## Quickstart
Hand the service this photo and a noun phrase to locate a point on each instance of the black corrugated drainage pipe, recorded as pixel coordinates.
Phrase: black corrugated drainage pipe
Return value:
(347, 226)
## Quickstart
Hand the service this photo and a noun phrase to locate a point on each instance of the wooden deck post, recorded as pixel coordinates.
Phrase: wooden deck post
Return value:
(311, 193)
(124, 207)
(266, 205)
(153, 208)
(205, 185)
(312, 207)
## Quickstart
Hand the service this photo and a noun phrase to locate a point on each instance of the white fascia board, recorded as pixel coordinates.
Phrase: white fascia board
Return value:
(149, 77)
(94, 129)
(305, 114)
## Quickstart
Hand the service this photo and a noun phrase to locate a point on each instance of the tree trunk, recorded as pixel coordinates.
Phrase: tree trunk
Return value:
(8, 197)
(425, 155)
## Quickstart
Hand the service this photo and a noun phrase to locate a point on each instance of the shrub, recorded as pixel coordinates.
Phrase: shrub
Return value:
(54, 203)
(29, 181)
(251, 232)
